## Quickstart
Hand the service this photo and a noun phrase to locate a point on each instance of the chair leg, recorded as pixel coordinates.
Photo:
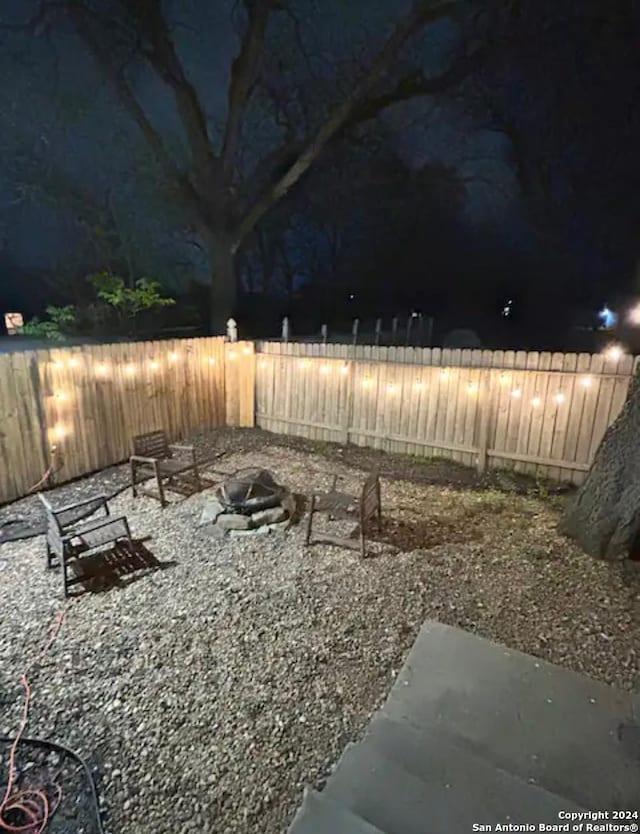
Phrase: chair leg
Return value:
(134, 491)
(49, 557)
(64, 572)
(312, 509)
(363, 543)
(196, 474)
(163, 501)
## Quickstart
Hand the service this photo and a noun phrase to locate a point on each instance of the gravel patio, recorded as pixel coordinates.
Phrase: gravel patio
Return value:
(207, 691)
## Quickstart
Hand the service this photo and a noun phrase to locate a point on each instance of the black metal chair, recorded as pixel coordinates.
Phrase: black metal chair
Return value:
(69, 536)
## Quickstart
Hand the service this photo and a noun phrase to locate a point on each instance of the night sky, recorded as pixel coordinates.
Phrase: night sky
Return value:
(522, 180)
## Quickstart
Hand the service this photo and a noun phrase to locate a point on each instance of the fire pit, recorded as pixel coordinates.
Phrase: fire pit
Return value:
(249, 502)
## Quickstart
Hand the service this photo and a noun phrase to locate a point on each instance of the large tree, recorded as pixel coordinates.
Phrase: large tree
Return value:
(604, 515)
(230, 177)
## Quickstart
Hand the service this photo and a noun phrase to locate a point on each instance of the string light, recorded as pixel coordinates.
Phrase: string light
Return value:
(325, 369)
(173, 356)
(73, 363)
(587, 382)
(559, 398)
(367, 382)
(505, 379)
(58, 365)
(391, 388)
(212, 360)
(536, 402)
(516, 393)
(304, 364)
(246, 351)
(61, 395)
(444, 373)
(130, 369)
(262, 363)
(344, 370)
(614, 352)
(60, 432)
(418, 385)
(472, 388)
(154, 365)
(232, 355)
(101, 369)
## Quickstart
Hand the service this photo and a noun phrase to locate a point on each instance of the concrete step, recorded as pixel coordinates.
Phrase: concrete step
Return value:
(405, 782)
(571, 735)
(318, 815)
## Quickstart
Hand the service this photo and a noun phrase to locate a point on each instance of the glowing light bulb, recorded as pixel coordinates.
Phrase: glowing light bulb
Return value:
(418, 386)
(325, 369)
(304, 364)
(367, 383)
(536, 402)
(173, 356)
(472, 388)
(130, 369)
(634, 315)
(587, 382)
(391, 389)
(614, 352)
(212, 360)
(516, 393)
(154, 365)
(101, 369)
(246, 351)
(58, 365)
(444, 373)
(559, 398)
(262, 363)
(505, 379)
(232, 355)
(344, 370)
(61, 395)
(73, 363)
(59, 432)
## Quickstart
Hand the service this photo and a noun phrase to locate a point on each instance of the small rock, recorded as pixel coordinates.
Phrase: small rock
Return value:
(270, 516)
(210, 512)
(234, 521)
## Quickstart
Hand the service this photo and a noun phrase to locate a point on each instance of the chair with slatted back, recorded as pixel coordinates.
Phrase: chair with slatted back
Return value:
(155, 458)
(70, 532)
(368, 507)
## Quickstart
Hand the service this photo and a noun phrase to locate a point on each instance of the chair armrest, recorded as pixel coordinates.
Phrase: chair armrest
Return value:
(142, 459)
(97, 499)
(176, 447)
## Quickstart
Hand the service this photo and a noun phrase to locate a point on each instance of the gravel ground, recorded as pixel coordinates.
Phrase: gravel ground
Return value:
(207, 689)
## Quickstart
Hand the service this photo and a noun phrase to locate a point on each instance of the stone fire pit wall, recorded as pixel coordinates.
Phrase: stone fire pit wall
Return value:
(249, 502)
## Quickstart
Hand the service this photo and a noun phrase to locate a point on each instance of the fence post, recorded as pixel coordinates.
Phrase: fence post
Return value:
(394, 329)
(324, 333)
(354, 331)
(378, 330)
(285, 329)
(486, 395)
(348, 409)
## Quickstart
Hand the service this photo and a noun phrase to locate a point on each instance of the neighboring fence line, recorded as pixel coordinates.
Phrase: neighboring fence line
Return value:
(88, 401)
(539, 413)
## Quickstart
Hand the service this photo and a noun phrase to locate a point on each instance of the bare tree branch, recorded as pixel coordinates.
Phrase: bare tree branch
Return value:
(243, 73)
(164, 59)
(126, 96)
(340, 116)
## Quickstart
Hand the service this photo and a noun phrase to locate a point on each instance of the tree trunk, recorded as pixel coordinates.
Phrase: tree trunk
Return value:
(224, 284)
(604, 517)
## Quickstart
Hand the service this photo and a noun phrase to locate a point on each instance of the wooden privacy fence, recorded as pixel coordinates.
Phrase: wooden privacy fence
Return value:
(538, 413)
(85, 403)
